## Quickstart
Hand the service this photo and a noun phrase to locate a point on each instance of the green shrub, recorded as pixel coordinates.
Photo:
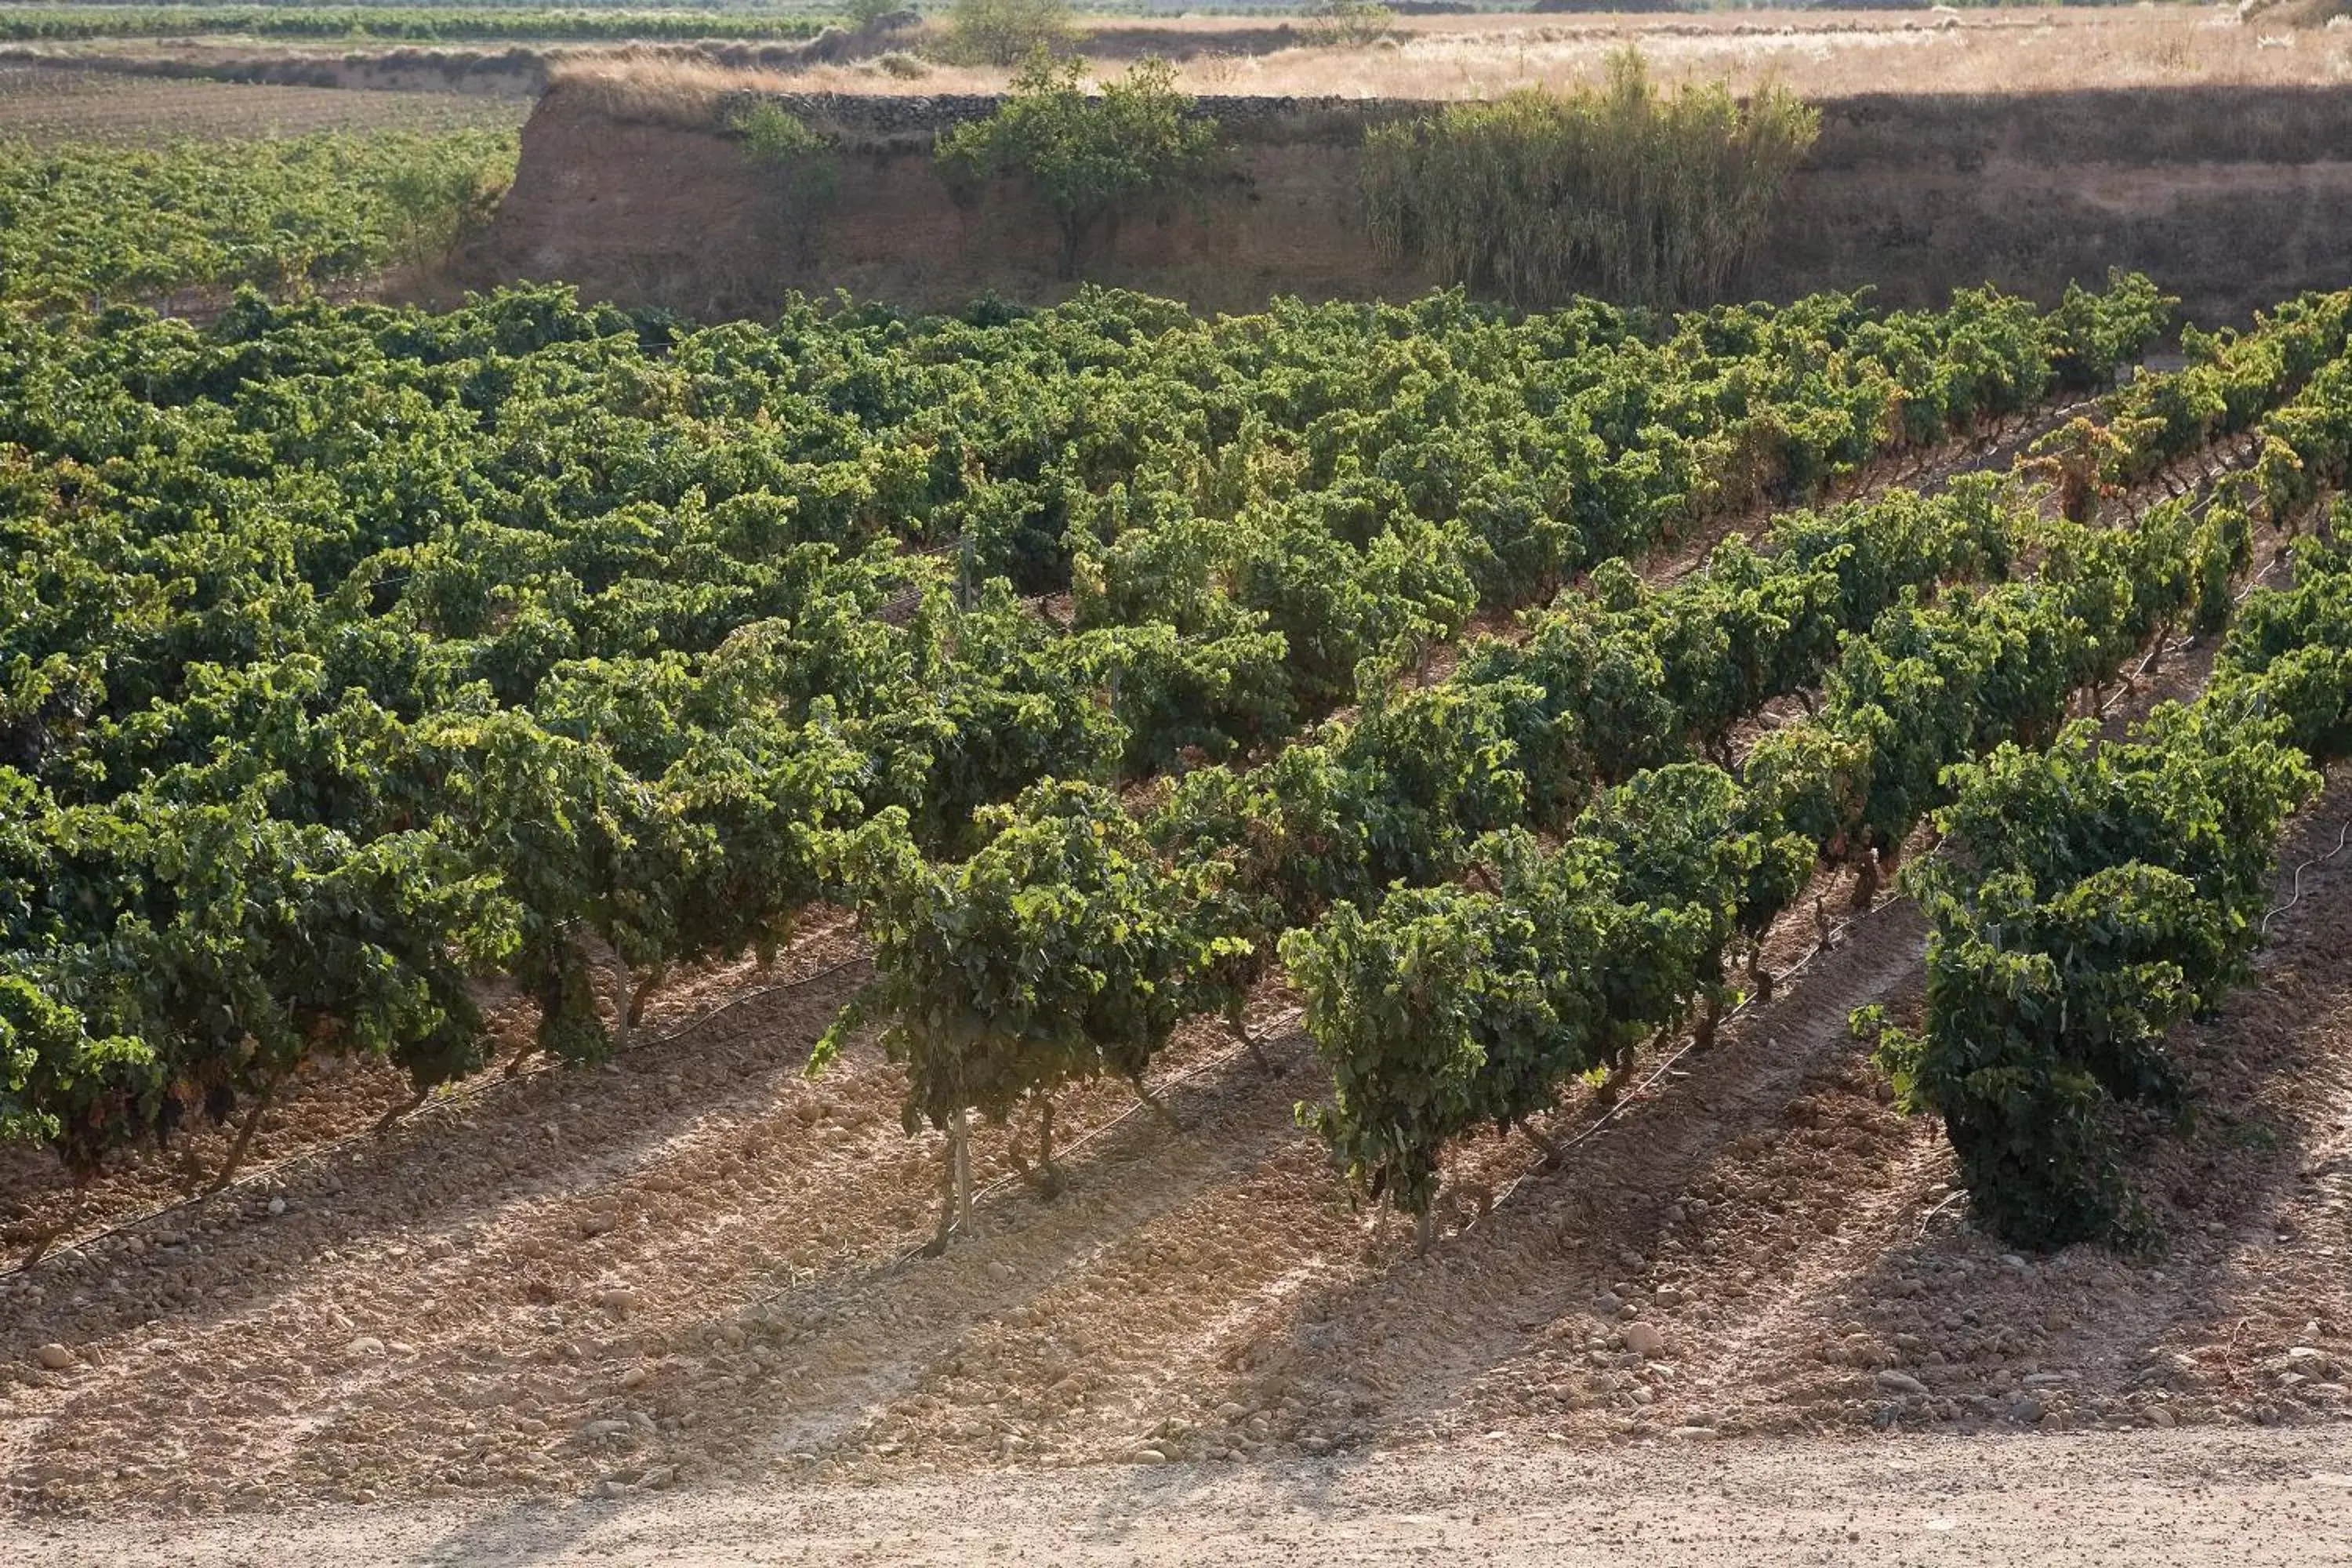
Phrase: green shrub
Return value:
(774, 134)
(1085, 154)
(807, 165)
(431, 203)
(1349, 24)
(1006, 32)
(1620, 190)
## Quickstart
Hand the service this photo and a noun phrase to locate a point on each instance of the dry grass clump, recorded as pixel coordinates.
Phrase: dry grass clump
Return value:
(653, 85)
(1981, 52)
(1813, 53)
(1622, 189)
(931, 75)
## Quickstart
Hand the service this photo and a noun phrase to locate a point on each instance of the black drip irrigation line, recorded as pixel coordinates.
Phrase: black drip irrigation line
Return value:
(2342, 838)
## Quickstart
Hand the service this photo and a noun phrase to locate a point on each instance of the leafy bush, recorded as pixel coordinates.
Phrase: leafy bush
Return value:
(774, 134)
(1064, 949)
(429, 205)
(807, 166)
(2104, 890)
(1621, 190)
(1006, 32)
(1348, 24)
(1085, 154)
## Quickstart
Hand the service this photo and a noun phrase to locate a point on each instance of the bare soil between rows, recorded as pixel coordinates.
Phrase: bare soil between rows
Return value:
(694, 1270)
(692, 1273)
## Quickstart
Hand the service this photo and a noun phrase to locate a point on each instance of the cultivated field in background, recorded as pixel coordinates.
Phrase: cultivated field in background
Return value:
(1816, 53)
(49, 106)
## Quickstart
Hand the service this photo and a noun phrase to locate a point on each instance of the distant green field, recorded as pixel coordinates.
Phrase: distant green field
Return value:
(407, 23)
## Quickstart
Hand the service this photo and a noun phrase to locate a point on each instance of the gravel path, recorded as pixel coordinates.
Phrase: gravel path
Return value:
(2178, 1498)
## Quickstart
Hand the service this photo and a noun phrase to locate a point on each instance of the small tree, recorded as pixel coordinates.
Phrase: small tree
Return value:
(1006, 32)
(1085, 153)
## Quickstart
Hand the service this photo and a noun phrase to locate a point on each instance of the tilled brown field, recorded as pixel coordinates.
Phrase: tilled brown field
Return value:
(698, 1267)
(46, 105)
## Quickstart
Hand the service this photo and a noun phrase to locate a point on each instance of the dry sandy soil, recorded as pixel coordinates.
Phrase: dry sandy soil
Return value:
(2245, 1500)
(685, 1289)
(1815, 53)
(1982, 50)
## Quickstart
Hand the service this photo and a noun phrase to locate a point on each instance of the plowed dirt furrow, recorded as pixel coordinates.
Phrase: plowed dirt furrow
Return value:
(696, 1268)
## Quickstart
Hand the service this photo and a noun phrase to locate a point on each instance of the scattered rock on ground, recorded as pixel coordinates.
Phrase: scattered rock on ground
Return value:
(1643, 1339)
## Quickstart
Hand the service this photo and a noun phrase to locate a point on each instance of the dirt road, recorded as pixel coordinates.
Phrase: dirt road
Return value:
(2180, 1499)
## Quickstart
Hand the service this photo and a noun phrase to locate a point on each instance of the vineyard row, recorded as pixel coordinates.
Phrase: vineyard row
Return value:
(352, 656)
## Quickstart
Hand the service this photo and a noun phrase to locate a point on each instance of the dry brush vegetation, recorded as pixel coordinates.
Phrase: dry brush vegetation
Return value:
(1814, 54)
